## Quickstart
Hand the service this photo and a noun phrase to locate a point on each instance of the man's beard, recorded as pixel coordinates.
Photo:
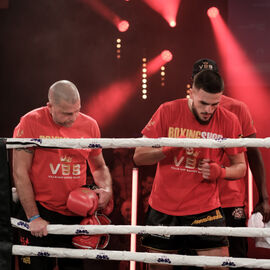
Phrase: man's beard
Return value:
(202, 122)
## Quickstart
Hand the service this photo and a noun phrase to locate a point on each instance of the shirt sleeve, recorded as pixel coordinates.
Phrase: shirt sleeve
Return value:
(246, 120)
(155, 128)
(23, 129)
(95, 133)
(234, 130)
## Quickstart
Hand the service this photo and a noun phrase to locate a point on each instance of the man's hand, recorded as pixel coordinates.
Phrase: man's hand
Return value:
(104, 197)
(264, 209)
(38, 227)
(212, 171)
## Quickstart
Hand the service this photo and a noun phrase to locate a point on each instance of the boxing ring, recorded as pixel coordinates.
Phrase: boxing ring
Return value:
(133, 229)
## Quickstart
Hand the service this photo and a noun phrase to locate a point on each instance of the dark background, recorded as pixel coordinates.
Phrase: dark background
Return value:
(42, 41)
(45, 41)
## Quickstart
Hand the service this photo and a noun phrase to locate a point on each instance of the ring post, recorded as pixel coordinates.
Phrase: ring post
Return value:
(5, 210)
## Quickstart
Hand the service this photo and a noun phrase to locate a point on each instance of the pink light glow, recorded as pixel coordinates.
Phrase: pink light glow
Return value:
(166, 55)
(241, 76)
(167, 9)
(212, 12)
(108, 14)
(123, 26)
(109, 101)
(172, 23)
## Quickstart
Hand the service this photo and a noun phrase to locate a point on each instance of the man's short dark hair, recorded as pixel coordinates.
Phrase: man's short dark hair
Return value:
(210, 81)
(204, 64)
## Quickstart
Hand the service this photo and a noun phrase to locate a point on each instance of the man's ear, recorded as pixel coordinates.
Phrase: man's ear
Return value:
(191, 92)
(49, 105)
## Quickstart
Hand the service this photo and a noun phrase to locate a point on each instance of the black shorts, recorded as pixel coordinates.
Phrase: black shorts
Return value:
(213, 218)
(51, 240)
(236, 217)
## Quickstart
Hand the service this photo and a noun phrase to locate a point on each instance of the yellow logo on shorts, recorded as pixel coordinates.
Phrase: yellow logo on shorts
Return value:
(26, 260)
(208, 218)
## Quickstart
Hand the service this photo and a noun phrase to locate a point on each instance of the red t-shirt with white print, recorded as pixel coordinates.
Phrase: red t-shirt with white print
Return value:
(56, 172)
(179, 188)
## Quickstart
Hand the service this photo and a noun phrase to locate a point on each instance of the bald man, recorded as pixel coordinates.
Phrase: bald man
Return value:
(45, 177)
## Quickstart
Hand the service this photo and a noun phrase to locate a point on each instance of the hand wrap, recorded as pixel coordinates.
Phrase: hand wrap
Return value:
(216, 171)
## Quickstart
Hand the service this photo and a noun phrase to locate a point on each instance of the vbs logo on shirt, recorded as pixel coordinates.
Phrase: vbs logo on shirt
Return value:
(191, 160)
(65, 168)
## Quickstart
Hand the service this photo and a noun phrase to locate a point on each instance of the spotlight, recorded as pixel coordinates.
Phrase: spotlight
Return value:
(144, 76)
(162, 74)
(212, 12)
(123, 26)
(172, 23)
(118, 48)
(166, 55)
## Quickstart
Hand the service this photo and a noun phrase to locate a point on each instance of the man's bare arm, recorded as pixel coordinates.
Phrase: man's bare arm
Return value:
(22, 162)
(102, 178)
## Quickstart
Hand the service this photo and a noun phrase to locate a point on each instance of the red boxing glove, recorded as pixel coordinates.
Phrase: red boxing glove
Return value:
(109, 207)
(215, 171)
(99, 241)
(82, 201)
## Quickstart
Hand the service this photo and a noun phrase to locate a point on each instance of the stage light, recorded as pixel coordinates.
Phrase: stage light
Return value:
(166, 55)
(144, 80)
(162, 75)
(118, 48)
(108, 14)
(167, 9)
(188, 86)
(212, 12)
(172, 23)
(123, 26)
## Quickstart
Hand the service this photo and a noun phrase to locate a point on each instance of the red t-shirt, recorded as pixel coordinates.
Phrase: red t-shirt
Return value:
(232, 193)
(179, 188)
(56, 172)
